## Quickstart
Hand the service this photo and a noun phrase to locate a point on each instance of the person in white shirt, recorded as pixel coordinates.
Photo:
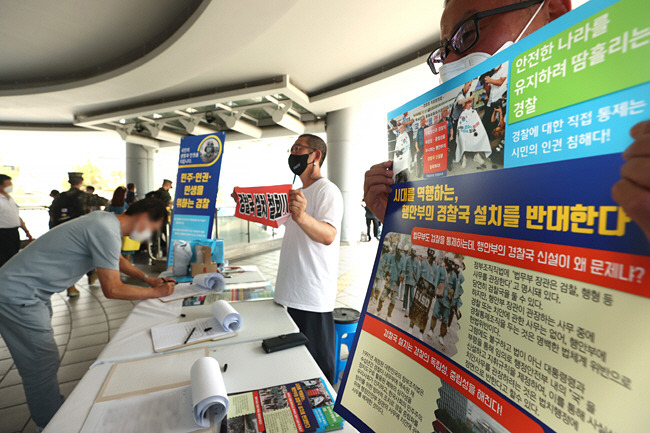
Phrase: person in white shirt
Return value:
(10, 221)
(471, 137)
(498, 82)
(308, 269)
(402, 158)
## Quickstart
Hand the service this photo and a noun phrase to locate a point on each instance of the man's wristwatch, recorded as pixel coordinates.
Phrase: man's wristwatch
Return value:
(144, 278)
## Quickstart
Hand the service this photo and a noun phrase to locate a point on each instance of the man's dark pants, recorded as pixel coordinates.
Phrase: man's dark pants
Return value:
(319, 329)
(9, 244)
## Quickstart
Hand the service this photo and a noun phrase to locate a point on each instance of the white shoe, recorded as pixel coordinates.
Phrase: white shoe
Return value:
(463, 162)
(441, 340)
(478, 159)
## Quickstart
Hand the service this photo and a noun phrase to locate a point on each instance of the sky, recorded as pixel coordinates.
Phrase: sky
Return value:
(43, 159)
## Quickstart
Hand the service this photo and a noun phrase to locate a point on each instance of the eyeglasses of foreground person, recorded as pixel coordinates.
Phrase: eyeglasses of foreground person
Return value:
(467, 34)
(295, 149)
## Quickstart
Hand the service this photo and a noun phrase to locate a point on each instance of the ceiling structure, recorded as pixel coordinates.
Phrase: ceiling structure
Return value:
(156, 70)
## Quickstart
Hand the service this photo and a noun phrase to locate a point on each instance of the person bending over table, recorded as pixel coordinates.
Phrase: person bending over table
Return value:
(508, 21)
(51, 264)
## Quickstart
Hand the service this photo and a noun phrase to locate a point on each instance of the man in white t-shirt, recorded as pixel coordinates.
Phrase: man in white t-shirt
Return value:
(309, 260)
(499, 83)
(402, 157)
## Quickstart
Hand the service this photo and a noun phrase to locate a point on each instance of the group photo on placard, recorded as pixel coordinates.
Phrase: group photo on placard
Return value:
(419, 290)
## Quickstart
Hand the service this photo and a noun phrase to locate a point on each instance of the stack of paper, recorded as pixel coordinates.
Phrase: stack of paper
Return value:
(224, 323)
(236, 278)
(178, 392)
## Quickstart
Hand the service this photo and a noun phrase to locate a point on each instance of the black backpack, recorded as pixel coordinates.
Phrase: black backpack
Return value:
(66, 206)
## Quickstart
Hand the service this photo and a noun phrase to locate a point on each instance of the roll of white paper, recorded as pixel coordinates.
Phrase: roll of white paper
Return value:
(208, 392)
(210, 281)
(226, 315)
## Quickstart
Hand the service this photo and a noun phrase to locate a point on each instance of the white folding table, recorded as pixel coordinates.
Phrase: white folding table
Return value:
(249, 368)
(260, 319)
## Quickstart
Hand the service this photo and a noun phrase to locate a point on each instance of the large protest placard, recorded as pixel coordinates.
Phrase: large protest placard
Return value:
(538, 322)
(268, 205)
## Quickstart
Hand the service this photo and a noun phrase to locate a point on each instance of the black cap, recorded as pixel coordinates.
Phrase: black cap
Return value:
(75, 177)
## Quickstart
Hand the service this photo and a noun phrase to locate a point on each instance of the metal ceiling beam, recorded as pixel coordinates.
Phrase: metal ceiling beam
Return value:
(268, 132)
(241, 91)
(233, 121)
(281, 116)
(156, 130)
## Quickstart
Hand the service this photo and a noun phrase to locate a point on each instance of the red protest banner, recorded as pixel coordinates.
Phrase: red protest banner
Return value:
(268, 205)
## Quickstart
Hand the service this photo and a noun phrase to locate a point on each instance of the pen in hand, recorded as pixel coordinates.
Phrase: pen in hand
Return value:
(190, 335)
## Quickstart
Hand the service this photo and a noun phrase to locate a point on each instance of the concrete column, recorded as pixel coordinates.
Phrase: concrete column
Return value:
(355, 140)
(139, 168)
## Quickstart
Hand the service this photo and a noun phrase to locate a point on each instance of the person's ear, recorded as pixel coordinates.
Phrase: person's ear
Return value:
(156, 225)
(557, 8)
(317, 156)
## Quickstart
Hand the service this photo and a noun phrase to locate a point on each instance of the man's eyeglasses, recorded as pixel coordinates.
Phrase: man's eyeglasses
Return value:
(467, 34)
(296, 148)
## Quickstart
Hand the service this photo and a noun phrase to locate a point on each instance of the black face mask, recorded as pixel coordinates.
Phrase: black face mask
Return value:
(298, 163)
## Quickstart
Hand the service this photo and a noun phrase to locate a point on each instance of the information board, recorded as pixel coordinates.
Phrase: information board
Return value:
(197, 184)
(539, 317)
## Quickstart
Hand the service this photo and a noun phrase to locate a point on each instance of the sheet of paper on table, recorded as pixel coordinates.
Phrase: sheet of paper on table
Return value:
(238, 277)
(156, 394)
(165, 411)
(223, 323)
(244, 277)
(184, 290)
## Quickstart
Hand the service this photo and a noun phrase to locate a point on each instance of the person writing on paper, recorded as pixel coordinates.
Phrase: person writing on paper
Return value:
(50, 265)
(308, 269)
(505, 22)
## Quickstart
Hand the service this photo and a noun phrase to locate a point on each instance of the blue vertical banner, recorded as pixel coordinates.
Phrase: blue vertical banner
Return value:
(197, 184)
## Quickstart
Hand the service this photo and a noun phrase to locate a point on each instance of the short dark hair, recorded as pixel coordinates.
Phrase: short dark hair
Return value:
(130, 186)
(90, 187)
(55, 192)
(3, 178)
(316, 143)
(154, 208)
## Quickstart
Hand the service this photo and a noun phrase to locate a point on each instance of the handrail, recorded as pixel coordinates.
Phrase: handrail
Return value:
(34, 207)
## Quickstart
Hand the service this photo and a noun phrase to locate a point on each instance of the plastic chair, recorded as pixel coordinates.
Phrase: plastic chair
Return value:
(345, 326)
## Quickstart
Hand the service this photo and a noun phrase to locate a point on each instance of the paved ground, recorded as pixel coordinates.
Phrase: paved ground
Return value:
(82, 327)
